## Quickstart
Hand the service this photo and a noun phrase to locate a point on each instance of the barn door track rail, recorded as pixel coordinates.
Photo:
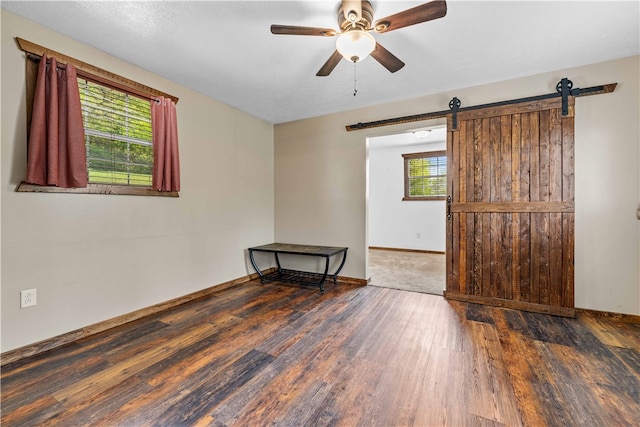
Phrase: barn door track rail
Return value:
(564, 89)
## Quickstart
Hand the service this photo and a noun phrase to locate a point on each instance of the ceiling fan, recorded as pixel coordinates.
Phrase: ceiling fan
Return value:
(355, 19)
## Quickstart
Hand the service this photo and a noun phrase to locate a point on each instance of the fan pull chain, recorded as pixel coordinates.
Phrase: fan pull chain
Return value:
(355, 90)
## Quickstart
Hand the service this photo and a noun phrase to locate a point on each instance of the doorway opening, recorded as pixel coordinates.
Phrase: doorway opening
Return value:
(406, 235)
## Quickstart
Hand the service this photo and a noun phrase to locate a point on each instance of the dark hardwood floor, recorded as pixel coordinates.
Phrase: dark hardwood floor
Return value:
(273, 354)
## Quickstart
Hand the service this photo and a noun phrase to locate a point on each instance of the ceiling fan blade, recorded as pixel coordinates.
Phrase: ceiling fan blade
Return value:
(386, 58)
(352, 6)
(302, 31)
(425, 12)
(328, 66)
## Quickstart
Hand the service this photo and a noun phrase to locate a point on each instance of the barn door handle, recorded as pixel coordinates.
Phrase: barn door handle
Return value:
(448, 207)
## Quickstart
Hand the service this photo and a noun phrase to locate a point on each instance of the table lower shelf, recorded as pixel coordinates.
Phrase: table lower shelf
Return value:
(299, 277)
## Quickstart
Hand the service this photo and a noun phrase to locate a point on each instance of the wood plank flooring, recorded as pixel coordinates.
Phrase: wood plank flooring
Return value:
(255, 355)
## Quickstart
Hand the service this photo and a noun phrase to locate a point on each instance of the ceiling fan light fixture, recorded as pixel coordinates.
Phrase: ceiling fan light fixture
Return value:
(355, 45)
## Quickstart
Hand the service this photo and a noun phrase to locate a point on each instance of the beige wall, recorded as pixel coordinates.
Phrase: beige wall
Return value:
(95, 257)
(321, 177)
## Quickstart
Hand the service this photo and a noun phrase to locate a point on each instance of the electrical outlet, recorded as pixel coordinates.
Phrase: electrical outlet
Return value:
(27, 298)
(418, 236)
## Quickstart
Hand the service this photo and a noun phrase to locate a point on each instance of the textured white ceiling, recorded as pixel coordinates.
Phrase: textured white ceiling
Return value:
(224, 49)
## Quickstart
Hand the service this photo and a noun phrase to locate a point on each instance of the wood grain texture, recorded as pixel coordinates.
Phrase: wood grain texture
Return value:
(274, 354)
(510, 207)
(60, 340)
(513, 304)
(511, 230)
(108, 189)
(508, 109)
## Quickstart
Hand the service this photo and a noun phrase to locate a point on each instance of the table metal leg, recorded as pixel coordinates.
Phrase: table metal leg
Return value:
(324, 276)
(344, 258)
(253, 262)
(278, 264)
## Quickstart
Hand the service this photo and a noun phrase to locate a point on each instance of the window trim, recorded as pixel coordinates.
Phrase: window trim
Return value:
(109, 189)
(422, 155)
(99, 76)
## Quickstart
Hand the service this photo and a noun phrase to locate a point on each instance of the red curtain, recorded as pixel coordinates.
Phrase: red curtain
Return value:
(56, 154)
(166, 164)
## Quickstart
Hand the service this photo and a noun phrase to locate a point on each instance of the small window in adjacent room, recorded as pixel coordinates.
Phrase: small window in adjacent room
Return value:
(425, 176)
(118, 135)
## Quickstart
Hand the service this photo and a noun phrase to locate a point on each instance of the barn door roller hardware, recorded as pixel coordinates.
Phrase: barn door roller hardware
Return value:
(454, 106)
(564, 89)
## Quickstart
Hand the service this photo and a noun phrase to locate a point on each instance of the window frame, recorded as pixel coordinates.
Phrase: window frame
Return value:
(422, 155)
(97, 75)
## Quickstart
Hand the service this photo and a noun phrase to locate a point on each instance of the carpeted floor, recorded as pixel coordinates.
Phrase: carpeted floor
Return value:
(409, 271)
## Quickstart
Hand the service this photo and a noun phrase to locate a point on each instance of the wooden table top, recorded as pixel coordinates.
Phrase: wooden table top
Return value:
(289, 248)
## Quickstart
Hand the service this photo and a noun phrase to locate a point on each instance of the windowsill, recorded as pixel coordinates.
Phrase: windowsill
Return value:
(406, 199)
(118, 190)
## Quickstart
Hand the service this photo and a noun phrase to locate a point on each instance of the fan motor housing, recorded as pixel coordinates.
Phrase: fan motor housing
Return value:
(363, 24)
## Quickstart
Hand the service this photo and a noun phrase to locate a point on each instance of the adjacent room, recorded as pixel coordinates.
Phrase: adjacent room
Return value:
(332, 212)
(407, 209)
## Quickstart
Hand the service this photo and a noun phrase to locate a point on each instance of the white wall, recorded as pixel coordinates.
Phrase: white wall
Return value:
(94, 257)
(321, 169)
(394, 223)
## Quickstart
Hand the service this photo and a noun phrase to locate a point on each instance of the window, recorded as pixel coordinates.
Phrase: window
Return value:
(118, 135)
(425, 176)
(117, 121)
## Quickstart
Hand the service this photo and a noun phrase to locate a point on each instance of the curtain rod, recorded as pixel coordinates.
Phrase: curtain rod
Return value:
(99, 75)
(96, 79)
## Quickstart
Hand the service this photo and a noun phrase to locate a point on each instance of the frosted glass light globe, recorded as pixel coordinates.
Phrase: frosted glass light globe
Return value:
(355, 45)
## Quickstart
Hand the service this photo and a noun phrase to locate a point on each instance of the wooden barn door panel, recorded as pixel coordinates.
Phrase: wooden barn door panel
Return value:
(510, 232)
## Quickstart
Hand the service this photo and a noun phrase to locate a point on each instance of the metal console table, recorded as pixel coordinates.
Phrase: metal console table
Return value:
(297, 276)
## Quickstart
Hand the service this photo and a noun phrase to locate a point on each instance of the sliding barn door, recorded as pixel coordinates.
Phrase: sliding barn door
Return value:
(510, 226)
